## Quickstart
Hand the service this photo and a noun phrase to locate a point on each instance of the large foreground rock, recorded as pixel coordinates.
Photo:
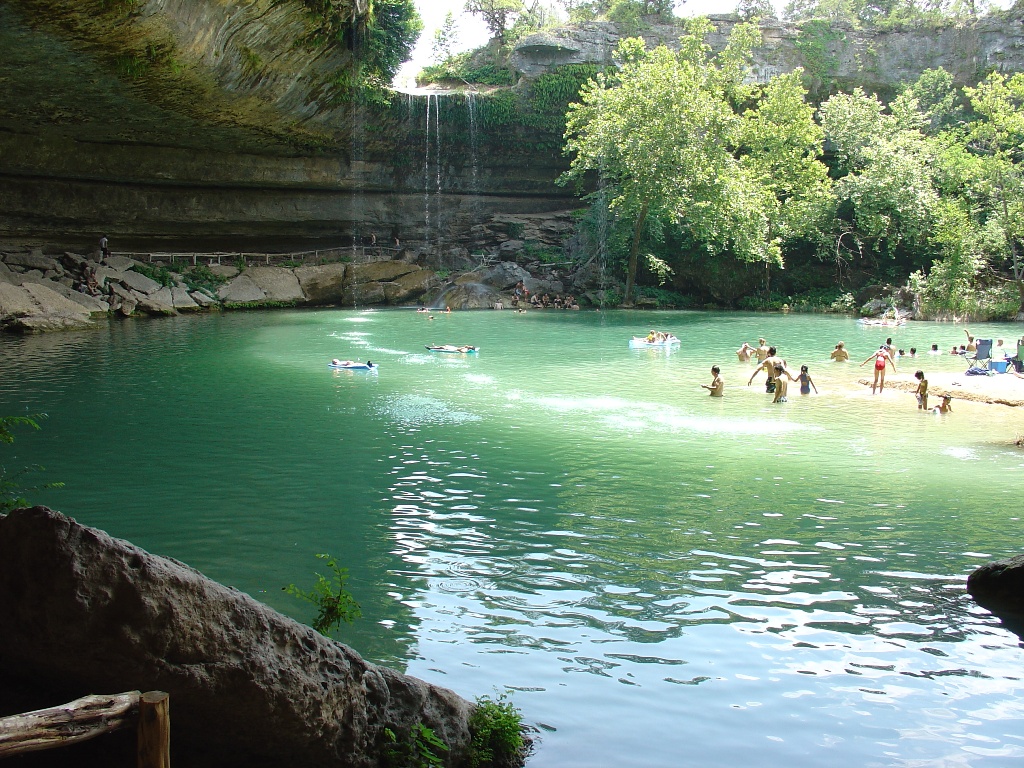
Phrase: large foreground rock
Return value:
(999, 587)
(249, 687)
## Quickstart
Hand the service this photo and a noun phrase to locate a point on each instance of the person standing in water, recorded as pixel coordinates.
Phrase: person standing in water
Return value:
(881, 357)
(839, 354)
(806, 383)
(922, 391)
(717, 386)
(781, 385)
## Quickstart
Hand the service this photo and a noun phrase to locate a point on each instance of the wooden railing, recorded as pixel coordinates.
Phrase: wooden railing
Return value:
(92, 716)
(250, 259)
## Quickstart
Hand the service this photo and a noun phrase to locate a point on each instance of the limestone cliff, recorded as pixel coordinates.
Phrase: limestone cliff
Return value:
(214, 123)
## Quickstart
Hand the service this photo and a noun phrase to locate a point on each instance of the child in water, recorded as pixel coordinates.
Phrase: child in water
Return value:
(946, 406)
(717, 386)
(805, 381)
(922, 391)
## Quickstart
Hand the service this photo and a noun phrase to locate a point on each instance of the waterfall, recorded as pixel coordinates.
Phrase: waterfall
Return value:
(432, 172)
(426, 181)
(474, 160)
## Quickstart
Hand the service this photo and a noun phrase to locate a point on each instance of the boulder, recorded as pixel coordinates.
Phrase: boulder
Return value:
(203, 300)
(72, 261)
(89, 303)
(511, 247)
(37, 307)
(278, 283)
(534, 285)
(159, 302)
(122, 300)
(366, 293)
(224, 270)
(378, 271)
(139, 282)
(120, 263)
(410, 286)
(324, 284)
(469, 296)
(34, 260)
(181, 299)
(241, 290)
(86, 613)
(105, 275)
(999, 587)
(504, 275)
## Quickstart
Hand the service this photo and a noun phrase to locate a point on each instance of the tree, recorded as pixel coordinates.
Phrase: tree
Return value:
(667, 138)
(498, 15)
(444, 40)
(748, 10)
(997, 137)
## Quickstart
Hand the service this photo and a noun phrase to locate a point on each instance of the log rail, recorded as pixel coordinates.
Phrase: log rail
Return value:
(92, 716)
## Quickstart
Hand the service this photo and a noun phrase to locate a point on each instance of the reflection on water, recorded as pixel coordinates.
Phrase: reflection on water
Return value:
(661, 577)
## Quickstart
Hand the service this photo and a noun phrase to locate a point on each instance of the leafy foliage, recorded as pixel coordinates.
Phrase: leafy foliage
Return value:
(12, 492)
(334, 602)
(422, 748)
(496, 726)
(670, 139)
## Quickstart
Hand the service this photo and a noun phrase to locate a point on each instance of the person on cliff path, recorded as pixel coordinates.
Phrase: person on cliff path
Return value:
(104, 247)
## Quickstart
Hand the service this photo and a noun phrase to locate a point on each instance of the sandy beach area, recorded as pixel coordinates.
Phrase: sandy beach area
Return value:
(999, 389)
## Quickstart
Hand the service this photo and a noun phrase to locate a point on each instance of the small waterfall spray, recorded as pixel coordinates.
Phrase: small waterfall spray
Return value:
(474, 158)
(602, 237)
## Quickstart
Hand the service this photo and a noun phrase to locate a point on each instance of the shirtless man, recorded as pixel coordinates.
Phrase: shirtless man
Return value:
(762, 350)
(839, 354)
(717, 386)
(745, 352)
(971, 346)
(768, 365)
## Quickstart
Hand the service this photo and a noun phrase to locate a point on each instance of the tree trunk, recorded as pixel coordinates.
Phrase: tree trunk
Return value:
(634, 249)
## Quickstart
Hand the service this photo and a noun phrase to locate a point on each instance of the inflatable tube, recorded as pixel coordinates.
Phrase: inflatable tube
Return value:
(461, 349)
(350, 366)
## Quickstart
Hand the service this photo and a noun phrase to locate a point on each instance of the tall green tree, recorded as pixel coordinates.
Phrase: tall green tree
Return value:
(997, 138)
(669, 138)
(498, 15)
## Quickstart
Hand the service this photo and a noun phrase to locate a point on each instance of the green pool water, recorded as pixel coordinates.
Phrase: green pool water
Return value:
(661, 578)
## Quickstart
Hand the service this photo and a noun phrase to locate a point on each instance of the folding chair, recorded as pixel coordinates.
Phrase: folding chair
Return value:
(1017, 361)
(982, 355)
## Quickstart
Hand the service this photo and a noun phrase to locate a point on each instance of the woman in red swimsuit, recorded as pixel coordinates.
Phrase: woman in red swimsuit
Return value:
(881, 357)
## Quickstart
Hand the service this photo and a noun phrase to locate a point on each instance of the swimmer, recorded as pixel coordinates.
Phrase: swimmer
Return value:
(717, 386)
(781, 385)
(806, 383)
(745, 352)
(839, 354)
(881, 357)
(768, 365)
(935, 350)
(762, 350)
(922, 391)
(946, 406)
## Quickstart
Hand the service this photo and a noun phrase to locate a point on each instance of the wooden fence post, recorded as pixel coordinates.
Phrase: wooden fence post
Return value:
(154, 730)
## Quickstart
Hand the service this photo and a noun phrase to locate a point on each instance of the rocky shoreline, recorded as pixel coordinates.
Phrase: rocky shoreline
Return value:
(41, 290)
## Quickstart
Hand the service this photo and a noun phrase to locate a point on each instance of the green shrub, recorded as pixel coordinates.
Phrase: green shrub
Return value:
(202, 277)
(497, 732)
(334, 602)
(161, 275)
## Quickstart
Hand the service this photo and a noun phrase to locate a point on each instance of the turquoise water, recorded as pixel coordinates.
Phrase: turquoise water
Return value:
(661, 577)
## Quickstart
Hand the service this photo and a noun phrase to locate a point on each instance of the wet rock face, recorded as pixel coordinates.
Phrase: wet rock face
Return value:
(248, 686)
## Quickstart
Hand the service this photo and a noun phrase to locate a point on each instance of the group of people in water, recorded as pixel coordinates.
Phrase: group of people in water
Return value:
(779, 376)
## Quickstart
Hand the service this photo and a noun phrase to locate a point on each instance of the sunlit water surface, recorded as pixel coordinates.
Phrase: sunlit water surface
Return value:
(662, 578)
